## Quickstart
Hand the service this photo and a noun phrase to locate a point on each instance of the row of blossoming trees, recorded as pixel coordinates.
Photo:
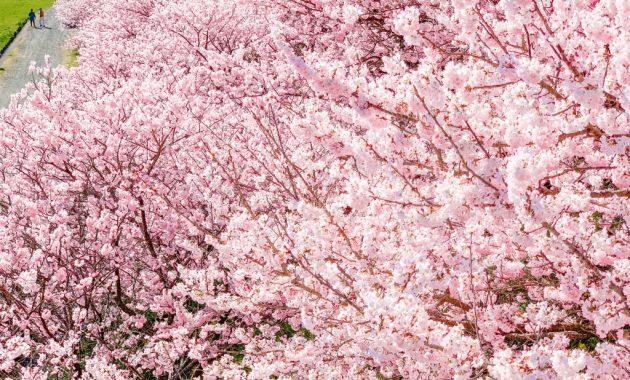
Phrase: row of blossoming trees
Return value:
(403, 189)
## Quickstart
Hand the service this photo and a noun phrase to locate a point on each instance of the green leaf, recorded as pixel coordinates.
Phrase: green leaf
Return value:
(285, 331)
(151, 316)
(588, 344)
(193, 306)
(238, 358)
(86, 347)
(616, 223)
(307, 334)
(607, 184)
(597, 216)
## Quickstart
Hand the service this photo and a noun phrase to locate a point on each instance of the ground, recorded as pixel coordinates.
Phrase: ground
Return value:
(12, 12)
(31, 45)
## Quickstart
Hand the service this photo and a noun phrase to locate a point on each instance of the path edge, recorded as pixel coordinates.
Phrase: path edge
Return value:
(15, 34)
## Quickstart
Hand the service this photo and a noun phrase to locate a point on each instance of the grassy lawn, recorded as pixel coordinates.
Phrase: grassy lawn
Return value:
(12, 12)
(71, 58)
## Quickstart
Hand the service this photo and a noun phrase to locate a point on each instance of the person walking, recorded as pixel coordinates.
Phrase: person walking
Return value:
(41, 18)
(31, 17)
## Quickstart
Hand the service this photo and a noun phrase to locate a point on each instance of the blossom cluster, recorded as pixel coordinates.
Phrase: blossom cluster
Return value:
(313, 189)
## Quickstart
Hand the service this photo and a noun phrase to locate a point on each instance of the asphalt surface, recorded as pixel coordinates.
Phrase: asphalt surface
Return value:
(30, 45)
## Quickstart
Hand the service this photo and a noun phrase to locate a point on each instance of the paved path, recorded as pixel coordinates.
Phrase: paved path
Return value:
(30, 45)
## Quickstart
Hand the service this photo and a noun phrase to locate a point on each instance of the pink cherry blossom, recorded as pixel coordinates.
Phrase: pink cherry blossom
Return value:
(321, 189)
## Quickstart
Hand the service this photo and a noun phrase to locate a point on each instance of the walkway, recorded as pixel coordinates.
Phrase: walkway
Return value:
(30, 45)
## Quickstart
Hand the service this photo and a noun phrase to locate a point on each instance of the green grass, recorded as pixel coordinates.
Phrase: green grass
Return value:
(12, 12)
(71, 58)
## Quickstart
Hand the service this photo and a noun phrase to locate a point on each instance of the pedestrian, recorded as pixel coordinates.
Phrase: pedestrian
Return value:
(41, 18)
(31, 17)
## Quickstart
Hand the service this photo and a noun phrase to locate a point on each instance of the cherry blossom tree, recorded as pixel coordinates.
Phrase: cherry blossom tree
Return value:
(321, 189)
